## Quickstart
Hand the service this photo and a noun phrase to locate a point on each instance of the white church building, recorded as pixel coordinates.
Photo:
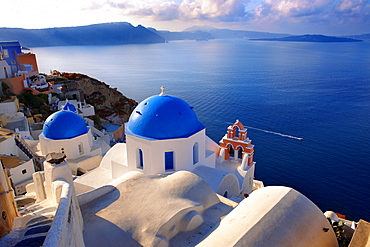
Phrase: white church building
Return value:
(164, 135)
(66, 132)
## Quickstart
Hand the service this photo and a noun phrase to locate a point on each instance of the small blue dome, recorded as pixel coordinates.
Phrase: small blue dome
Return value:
(163, 117)
(69, 107)
(64, 125)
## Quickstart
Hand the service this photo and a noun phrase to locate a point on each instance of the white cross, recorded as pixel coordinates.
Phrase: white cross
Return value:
(162, 93)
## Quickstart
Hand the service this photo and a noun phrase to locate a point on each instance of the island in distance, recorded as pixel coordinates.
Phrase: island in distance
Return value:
(115, 33)
(312, 38)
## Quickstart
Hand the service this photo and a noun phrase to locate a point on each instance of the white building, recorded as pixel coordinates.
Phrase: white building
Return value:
(17, 157)
(164, 135)
(81, 108)
(5, 72)
(66, 132)
(12, 118)
(9, 106)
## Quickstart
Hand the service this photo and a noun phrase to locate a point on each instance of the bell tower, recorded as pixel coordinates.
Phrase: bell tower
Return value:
(236, 140)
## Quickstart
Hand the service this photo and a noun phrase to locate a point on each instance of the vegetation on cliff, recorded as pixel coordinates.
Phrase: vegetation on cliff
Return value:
(108, 102)
(38, 104)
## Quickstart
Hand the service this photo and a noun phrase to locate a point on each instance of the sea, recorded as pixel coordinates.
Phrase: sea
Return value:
(306, 105)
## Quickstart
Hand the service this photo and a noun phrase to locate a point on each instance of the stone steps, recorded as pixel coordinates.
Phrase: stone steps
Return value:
(33, 231)
(32, 227)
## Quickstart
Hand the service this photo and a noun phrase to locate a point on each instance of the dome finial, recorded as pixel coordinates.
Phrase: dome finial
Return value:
(162, 92)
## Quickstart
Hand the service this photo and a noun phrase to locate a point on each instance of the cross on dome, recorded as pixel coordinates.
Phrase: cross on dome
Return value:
(162, 92)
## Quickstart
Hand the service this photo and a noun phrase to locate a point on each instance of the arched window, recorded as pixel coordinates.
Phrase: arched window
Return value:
(240, 152)
(140, 160)
(169, 160)
(236, 132)
(230, 149)
(195, 153)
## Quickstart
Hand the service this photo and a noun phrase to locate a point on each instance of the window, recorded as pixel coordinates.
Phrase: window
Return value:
(24, 171)
(195, 153)
(168, 160)
(6, 53)
(230, 149)
(236, 131)
(6, 73)
(80, 148)
(140, 160)
(240, 152)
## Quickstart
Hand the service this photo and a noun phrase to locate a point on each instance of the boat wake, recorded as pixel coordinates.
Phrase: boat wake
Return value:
(275, 133)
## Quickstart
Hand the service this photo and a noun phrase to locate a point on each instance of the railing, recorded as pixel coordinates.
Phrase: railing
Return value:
(67, 226)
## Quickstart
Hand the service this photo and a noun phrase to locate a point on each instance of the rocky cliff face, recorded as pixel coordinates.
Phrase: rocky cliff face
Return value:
(109, 103)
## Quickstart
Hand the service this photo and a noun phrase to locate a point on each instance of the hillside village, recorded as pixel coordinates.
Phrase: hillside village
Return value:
(75, 153)
(27, 98)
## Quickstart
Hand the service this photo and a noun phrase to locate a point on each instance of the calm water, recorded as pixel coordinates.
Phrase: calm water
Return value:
(318, 92)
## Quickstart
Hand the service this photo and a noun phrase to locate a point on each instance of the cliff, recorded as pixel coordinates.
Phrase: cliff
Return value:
(97, 34)
(107, 101)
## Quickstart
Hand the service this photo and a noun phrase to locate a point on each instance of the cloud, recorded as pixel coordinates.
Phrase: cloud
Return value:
(313, 11)
(269, 15)
(294, 11)
(291, 9)
(357, 11)
(226, 10)
(213, 9)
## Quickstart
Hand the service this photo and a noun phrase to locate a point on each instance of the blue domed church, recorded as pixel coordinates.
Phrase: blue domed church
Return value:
(164, 135)
(66, 132)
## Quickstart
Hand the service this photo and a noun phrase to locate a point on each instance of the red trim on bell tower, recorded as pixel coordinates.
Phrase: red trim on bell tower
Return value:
(237, 138)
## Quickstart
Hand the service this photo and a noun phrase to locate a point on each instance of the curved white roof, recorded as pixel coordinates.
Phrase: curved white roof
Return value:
(274, 216)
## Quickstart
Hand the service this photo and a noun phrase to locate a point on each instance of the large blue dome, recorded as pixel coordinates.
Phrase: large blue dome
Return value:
(64, 125)
(163, 117)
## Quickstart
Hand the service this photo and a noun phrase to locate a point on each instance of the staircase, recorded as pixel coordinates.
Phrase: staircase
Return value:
(31, 228)
(27, 151)
(32, 225)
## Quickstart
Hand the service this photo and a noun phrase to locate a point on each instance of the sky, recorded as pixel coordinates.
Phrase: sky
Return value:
(329, 17)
